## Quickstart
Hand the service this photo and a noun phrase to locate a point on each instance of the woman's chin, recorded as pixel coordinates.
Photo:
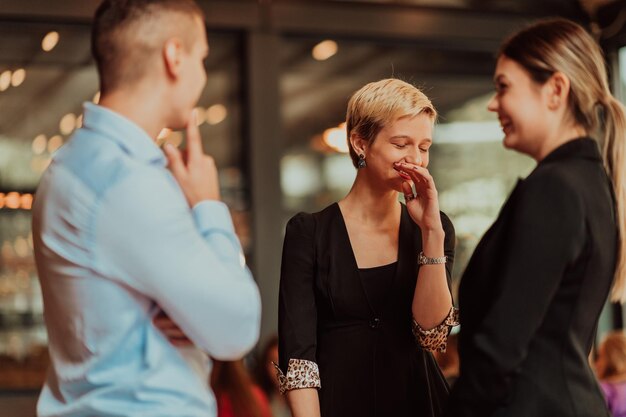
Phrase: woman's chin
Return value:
(509, 142)
(514, 144)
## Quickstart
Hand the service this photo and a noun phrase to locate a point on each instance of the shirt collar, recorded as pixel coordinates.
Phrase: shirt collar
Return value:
(583, 147)
(124, 132)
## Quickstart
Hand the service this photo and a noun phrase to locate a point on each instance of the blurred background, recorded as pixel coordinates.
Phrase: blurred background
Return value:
(280, 74)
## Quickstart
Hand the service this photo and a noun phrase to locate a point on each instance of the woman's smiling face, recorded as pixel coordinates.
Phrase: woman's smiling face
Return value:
(407, 139)
(521, 105)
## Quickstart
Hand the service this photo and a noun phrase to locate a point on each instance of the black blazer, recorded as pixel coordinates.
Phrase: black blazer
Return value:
(370, 364)
(532, 293)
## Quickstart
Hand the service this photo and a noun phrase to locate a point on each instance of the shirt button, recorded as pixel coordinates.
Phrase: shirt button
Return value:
(375, 323)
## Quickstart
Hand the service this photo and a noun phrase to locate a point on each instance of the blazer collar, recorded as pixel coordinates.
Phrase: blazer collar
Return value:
(584, 147)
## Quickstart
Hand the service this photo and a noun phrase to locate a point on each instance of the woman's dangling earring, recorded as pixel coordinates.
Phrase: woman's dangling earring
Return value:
(361, 164)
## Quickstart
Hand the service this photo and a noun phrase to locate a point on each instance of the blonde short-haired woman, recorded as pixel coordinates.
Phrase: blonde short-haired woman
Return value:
(364, 290)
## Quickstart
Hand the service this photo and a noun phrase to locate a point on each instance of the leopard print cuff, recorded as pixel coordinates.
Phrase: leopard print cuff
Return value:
(300, 374)
(436, 338)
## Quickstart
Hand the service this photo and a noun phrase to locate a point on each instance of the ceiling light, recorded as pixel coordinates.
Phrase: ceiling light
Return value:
(12, 200)
(50, 41)
(55, 143)
(18, 77)
(5, 80)
(39, 144)
(26, 202)
(336, 138)
(216, 114)
(67, 124)
(324, 50)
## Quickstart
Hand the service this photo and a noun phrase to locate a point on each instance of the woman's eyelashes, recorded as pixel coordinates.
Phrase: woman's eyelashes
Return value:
(422, 149)
(500, 87)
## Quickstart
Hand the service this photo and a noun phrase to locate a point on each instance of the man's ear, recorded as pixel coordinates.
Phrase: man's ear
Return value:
(172, 56)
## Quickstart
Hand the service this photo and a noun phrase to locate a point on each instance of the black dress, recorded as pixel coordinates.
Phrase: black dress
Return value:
(369, 361)
(377, 284)
(532, 293)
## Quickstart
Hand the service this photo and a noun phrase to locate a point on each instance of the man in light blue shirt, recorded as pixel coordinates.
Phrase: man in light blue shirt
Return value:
(118, 237)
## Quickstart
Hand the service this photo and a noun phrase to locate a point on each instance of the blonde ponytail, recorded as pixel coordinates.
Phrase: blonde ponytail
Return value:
(614, 153)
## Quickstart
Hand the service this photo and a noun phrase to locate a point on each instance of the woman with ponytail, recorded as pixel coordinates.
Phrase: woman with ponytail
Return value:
(532, 293)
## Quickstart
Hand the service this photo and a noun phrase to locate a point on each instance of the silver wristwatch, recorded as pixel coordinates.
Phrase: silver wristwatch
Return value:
(424, 260)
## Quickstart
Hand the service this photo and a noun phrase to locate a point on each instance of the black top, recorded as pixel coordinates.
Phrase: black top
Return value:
(377, 283)
(532, 293)
(370, 364)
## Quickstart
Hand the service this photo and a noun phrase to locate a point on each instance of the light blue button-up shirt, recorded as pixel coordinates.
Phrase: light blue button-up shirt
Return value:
(115, 241)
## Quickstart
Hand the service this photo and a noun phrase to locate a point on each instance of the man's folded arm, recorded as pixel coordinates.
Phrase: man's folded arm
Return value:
(189, 261)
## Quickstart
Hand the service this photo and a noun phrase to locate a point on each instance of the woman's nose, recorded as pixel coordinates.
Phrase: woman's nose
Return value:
(414, 156)
(493, 104)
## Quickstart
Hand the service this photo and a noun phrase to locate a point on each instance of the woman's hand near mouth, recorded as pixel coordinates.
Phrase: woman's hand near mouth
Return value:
(423, 205)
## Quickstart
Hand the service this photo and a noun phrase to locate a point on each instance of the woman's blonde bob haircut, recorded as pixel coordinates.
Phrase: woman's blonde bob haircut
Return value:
(379, 103)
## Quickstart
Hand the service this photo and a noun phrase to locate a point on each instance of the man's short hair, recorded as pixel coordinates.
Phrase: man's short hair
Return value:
(128, 34)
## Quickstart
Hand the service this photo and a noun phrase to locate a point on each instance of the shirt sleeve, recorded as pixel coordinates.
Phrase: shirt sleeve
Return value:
(545, 234)
(187, 261)
(297, 312)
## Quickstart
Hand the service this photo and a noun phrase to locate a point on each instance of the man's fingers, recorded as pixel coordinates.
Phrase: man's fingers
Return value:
(194, 141)
(173, 333)
(175, 159)
(170, 329)
(181, 342)
(161, 314)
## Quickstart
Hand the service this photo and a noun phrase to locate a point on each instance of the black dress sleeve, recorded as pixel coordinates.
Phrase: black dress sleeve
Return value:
(449, 245)
(297, 311)
(545, 234)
